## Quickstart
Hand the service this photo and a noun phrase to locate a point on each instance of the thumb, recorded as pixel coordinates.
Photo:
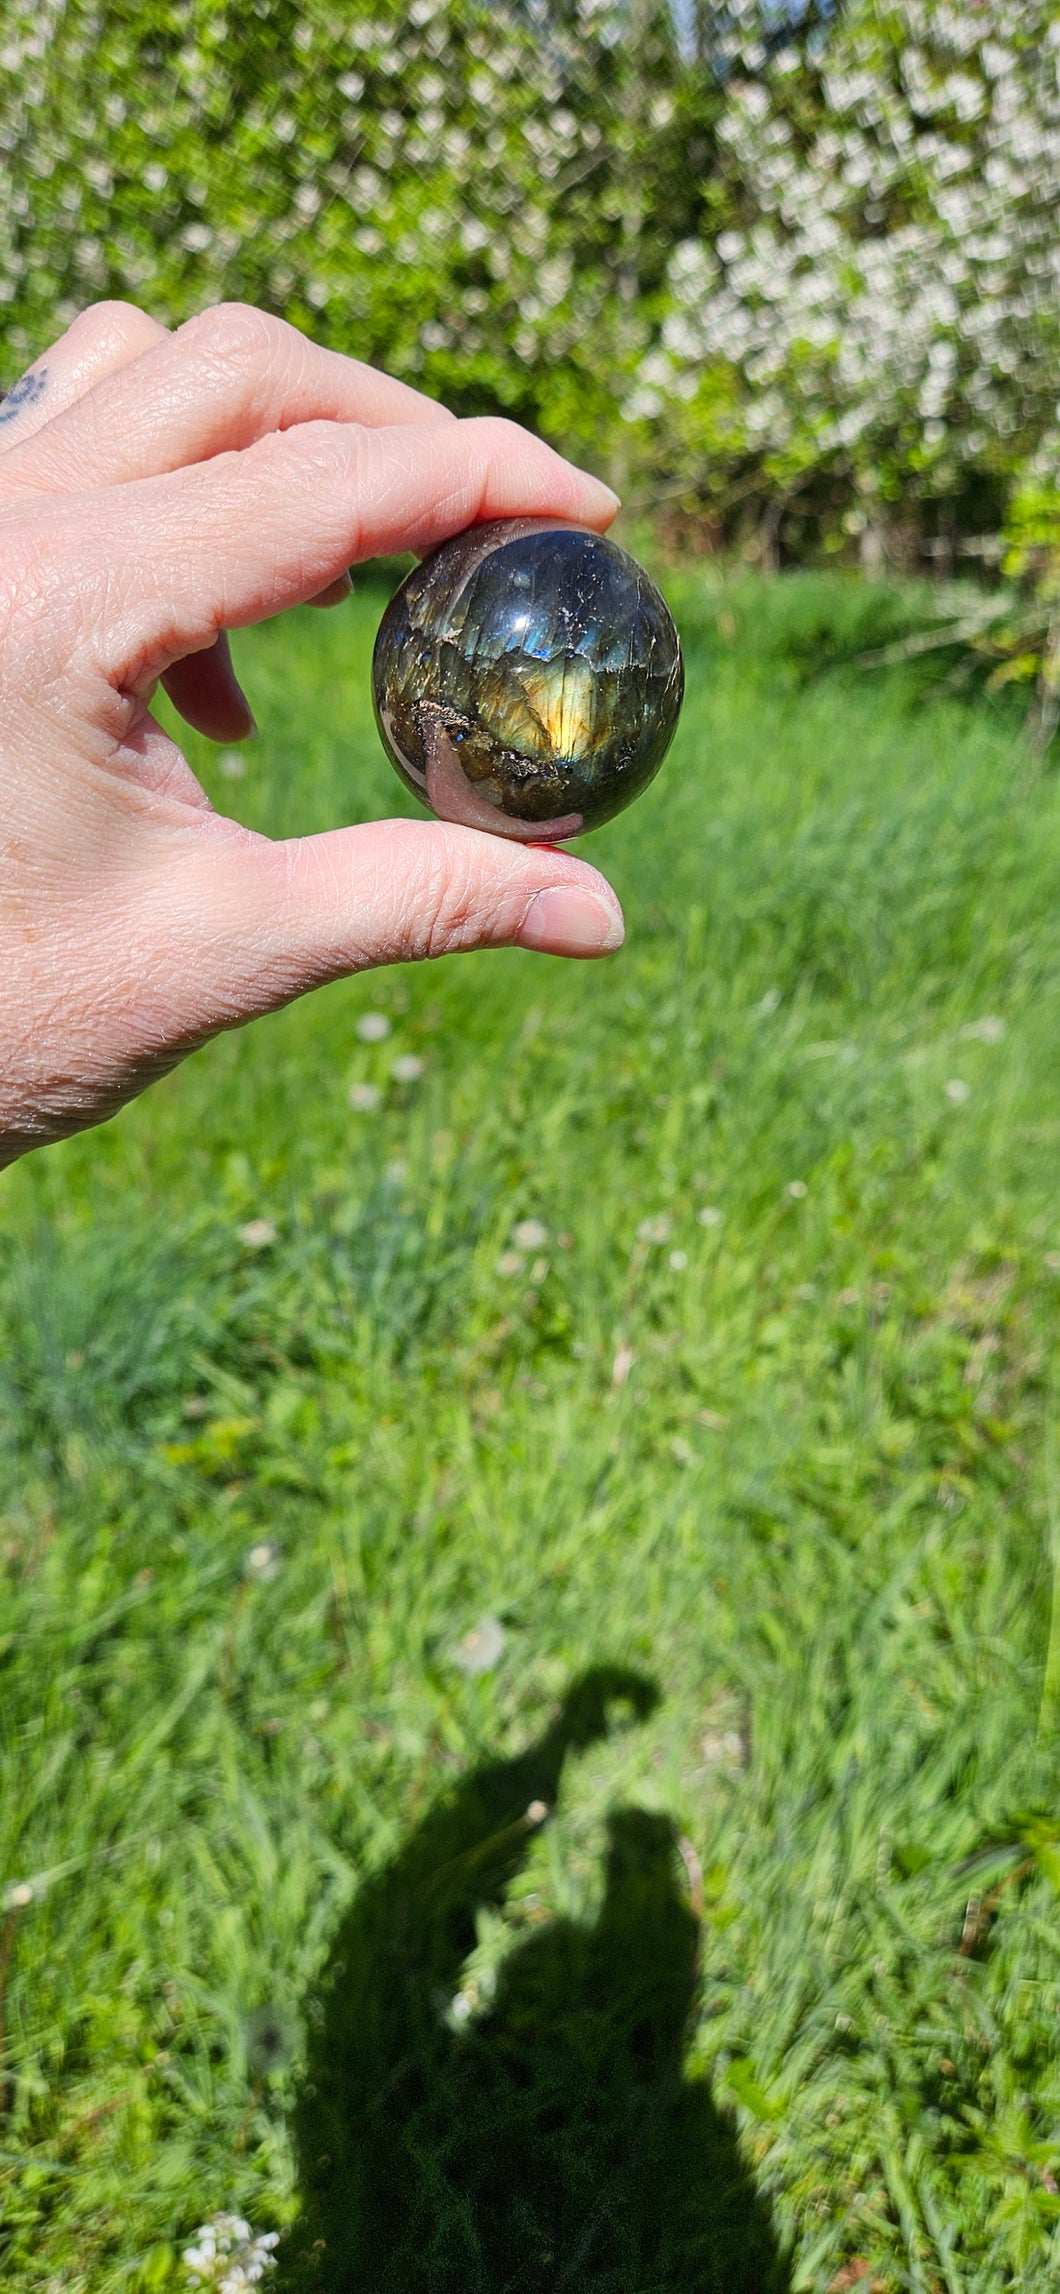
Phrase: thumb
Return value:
(253, 924)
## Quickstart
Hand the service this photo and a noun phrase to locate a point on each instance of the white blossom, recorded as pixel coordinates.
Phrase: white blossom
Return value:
(227, 2257)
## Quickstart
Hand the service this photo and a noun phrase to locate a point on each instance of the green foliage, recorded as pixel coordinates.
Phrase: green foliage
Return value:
(479, 199)
(793, 274)
(767, 1421)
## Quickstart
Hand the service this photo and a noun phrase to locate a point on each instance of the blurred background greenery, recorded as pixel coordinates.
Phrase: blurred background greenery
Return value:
(786, 272)
(783, 269)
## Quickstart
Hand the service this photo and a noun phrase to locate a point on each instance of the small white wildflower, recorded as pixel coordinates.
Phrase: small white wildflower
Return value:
(408, 1068)
(263, 1561)
(364, 1098)
(957, 1090)
(529, 1235)
(710, 1216)
(257, 1234)
(723, 1748)
(482, 1648)
(460, 2007)
(510, 1263)
(656, 1230)
(227, 2256)
(679, 1261)
(373, 1027)
(537, 1812)
(19, 1896)
(796, 1188)
(989, 1030)
(231, 765)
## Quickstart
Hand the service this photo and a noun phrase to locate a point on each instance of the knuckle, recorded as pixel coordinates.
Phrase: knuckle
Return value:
(313, 447)
(232, 333)
(501, 438)
(450, 911)
(115, 325)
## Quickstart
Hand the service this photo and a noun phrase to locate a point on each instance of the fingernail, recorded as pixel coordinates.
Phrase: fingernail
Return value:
(568, 920)
(336, 591)
(238, 695)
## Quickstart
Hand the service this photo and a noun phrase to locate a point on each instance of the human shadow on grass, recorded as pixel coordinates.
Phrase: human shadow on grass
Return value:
(553, 2142)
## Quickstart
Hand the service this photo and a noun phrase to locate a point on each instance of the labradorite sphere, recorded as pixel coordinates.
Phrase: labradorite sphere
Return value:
(527, 679)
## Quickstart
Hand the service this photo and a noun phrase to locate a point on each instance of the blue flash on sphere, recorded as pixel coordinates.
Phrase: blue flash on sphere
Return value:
(527, 679)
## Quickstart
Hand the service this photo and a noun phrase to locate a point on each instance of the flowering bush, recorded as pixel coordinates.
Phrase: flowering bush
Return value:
(802, 266)
(877, 320)
(481, 198)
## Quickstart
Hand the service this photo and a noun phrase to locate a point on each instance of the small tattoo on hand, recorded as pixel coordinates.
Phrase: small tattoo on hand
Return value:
(23, 393)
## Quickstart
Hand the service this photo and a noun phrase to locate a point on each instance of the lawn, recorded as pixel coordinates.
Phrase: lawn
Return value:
(623, 1392)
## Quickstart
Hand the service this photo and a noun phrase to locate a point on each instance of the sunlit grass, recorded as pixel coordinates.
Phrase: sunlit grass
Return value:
(692, 1312)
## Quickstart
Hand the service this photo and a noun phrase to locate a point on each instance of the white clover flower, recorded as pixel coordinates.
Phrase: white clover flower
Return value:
(408, 1068)
(257, 1234)
(264, 1560)
(529, 1235)
(481, 1650)
(227, 2256)
(373, 1027)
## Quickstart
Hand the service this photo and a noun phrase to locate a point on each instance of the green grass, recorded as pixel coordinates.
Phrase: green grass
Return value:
(794, 1470)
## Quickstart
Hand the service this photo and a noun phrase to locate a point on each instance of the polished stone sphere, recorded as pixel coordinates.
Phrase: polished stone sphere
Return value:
(527, 679)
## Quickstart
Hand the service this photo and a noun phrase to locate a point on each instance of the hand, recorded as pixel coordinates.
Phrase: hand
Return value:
(157, 489)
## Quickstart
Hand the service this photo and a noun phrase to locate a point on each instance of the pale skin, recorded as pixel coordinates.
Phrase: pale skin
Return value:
(156, 490)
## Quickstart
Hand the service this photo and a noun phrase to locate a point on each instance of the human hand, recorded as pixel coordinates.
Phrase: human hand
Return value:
(156, 490)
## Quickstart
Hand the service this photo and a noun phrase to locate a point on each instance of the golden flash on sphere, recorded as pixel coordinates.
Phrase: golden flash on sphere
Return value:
(527, 679)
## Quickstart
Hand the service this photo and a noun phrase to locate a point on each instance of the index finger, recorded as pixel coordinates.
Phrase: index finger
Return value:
(224, 379)
(245, 535)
